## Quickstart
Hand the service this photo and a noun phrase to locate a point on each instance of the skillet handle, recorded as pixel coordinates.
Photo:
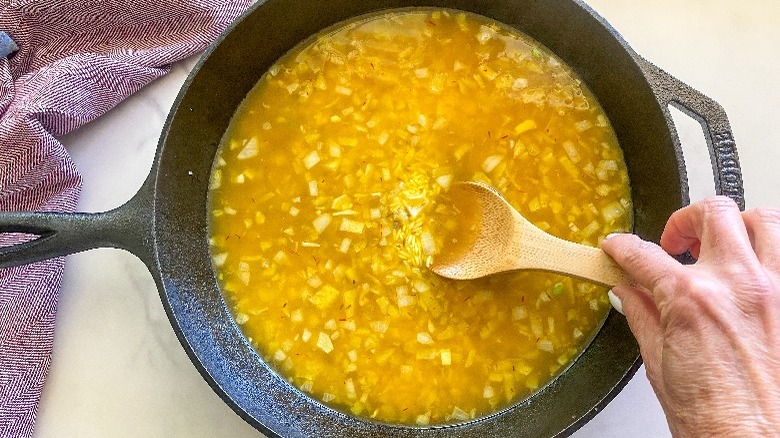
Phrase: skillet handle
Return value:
(127, 227)
(717, 130)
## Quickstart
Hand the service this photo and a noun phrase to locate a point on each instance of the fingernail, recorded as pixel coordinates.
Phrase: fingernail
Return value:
(611, 235)
(615, 301)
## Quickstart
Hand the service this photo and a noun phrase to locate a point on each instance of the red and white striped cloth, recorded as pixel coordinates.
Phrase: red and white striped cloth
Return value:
(77, 59)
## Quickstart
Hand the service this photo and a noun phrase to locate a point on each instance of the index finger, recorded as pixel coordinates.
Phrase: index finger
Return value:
(647, 263)
(715, 222)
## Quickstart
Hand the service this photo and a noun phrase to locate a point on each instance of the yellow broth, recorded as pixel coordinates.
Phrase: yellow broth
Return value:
(326, 204)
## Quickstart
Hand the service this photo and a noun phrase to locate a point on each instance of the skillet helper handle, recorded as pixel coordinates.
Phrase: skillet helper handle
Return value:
(717, 130)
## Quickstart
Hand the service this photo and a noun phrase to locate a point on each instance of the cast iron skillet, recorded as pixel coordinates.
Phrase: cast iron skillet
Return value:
(165, 224)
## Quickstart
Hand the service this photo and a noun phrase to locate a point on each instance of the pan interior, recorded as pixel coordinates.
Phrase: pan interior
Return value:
(330, 185)
(200, 118)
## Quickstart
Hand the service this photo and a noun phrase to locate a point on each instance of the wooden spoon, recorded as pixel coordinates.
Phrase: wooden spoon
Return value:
(503, 240)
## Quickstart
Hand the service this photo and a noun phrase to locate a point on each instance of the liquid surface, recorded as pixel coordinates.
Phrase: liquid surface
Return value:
(326, 208)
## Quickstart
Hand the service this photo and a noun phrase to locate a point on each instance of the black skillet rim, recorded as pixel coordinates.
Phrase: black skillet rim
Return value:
(172, 289)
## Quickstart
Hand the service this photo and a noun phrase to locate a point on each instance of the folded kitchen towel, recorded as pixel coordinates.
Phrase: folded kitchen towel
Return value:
(76, 59)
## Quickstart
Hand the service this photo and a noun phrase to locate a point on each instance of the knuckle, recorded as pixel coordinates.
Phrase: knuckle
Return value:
(691, 298)
(767, 215)
(640, 246)
(667, 283)
(758, 292)
(700, 289)
(638, 254)
(744, 271)
(716, 205)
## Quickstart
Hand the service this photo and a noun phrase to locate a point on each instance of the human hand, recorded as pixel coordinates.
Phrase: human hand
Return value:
(709, 333)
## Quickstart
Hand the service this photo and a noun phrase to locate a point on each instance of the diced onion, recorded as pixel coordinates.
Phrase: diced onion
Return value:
(351, 226)
(219, 259)
(324, 343)
(334, 150)
(313, 188)
(216, 180)
(250, 149)
(324, 297)
(428, 245)
(424, 338)
(519, 313)
(525, 126)
(349, 385)
(314, 282)
(583, 125)
(546, 345)
(571, 151)
(379, 326)
(243, 272)
(241, 318)
(590, 229)
(343, 90)
(612, 211)
(520, 83)
(345, 243)
(444, 181)
(491, 162)
(446, 357)
(421, 286)
(404, 300)
(485, 34)
(536, 328)
(321, 223)
(460, 414)
(610, 165)
(311, 160)
(296, 315)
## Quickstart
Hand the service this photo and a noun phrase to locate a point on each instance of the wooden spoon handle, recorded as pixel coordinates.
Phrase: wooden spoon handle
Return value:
(591, 264)
(558, 255)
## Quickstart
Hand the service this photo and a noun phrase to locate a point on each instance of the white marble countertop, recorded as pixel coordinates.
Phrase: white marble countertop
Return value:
(117, 368)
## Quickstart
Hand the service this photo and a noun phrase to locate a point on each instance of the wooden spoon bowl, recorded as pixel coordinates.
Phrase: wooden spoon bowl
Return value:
(503, 240)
